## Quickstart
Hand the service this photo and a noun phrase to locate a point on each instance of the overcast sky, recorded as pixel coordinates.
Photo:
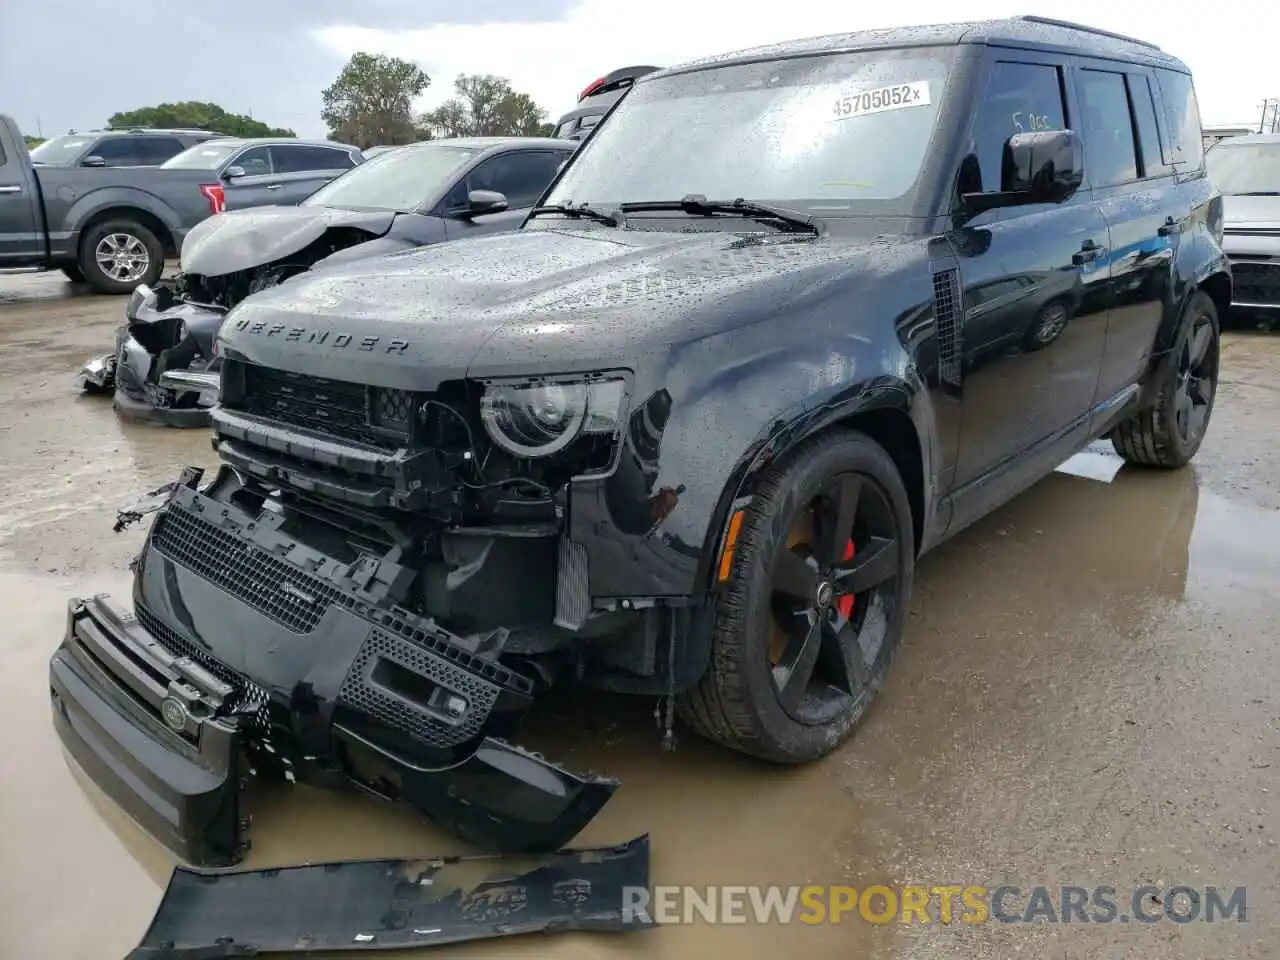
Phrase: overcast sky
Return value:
(72, 63)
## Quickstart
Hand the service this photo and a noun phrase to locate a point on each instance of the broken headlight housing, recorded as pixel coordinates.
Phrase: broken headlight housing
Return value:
(540, 417)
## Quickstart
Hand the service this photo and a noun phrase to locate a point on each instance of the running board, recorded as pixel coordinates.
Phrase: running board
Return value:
(397, 904)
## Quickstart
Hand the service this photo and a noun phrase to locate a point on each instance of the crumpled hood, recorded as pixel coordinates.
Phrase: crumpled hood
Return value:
(1246, 212)
(241, 239)
(578, 295)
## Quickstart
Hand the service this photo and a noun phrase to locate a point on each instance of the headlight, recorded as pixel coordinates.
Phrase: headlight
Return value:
(540, 418)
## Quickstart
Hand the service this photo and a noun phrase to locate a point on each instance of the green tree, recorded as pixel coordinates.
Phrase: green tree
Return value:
(485, 106)
(194, 115)
(371, 102)
(32, 142)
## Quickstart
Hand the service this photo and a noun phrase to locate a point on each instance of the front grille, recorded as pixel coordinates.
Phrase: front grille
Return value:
(375, 416)
(1256, 283)
(248, 573)
(249, 698)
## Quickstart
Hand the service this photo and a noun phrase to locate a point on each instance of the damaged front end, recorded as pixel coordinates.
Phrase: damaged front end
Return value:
(251, 652)
(171, 328)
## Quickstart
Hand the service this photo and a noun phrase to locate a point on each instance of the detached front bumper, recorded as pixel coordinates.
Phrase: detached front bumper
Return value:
(111, 684)
(246, 650)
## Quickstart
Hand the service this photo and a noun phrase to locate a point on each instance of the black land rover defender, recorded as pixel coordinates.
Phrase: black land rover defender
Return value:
(787, 321)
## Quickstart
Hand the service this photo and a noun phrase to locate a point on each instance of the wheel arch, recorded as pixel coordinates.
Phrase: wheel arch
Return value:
(1218, 286)
(128, 212)
(884, 415)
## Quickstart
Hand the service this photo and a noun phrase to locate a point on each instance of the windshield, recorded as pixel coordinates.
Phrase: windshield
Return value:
(1244, 167)
(825, 134)
(402, 180)
(60, 151)
(203, 156)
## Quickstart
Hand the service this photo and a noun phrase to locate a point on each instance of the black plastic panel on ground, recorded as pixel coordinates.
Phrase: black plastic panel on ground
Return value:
(396, 904)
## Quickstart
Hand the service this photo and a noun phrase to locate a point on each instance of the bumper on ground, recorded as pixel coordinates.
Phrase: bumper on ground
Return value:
(109, 683)
(157, 410)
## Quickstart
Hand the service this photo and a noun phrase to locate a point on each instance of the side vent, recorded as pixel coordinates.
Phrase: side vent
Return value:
(946, 319)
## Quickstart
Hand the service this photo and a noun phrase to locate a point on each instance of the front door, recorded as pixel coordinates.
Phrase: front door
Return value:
(22, 241)
(257, 186)
(1034, 325)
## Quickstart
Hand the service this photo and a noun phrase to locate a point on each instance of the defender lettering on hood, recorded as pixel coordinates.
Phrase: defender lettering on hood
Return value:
(338, 341)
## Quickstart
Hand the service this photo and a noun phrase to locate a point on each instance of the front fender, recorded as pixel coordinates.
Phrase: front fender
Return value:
(381, 246)
(695, 439)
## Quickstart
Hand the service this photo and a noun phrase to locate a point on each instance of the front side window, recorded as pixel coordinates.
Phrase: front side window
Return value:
(841, 133)
(520, 177)
(1245, 168)
(255, 162)
(1111, 156)
(1020, 98)
(1182, 118)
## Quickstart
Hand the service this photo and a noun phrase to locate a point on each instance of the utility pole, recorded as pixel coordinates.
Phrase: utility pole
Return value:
(1268, 124)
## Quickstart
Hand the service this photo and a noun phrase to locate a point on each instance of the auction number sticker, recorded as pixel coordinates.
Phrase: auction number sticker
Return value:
(900, 96)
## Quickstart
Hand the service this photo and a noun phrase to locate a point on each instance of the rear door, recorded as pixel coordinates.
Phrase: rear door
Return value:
(301, 169)
(519, 175)
(22, 241)
(1146, 210)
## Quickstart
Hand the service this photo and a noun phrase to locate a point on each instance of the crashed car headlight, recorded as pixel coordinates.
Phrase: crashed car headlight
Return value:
(539, 418)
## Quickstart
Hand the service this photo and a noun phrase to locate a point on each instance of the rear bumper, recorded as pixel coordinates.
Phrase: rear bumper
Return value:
(183, 788)
(293, 667)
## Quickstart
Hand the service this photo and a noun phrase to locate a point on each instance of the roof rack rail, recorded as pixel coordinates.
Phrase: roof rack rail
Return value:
(1069, 25)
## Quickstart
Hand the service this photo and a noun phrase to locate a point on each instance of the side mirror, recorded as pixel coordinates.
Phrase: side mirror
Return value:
(1042, 167)
(484, 201)
(93, 160)
(232, 172)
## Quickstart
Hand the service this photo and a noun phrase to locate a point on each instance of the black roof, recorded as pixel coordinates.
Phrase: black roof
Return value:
(1024, 31)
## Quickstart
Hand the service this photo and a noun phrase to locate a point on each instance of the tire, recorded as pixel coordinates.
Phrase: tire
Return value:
(1160, 436)
(738, 702)
(72, 272)
(132, 238)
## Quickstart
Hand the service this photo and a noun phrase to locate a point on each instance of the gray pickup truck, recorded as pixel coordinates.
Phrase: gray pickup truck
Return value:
(112, 227)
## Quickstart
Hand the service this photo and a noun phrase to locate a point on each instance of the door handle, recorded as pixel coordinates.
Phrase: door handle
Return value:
(10, 188)
(1169, 227)
(274, 186)
(1088, 253)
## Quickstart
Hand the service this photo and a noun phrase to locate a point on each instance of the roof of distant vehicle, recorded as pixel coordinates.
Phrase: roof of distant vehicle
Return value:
(486, 142)
(1024, 31)
(296, 140)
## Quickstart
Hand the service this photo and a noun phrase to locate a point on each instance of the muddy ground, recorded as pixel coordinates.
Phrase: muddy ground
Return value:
(1088, 694)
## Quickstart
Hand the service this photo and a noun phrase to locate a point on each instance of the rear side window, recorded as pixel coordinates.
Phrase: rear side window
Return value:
(1111, 156)
(156, 150)
(292, 158)
(1021, 98)
(1150, 149)
(1182, 121)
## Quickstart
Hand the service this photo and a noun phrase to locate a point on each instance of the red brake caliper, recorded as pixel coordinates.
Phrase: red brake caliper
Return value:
(845, 604)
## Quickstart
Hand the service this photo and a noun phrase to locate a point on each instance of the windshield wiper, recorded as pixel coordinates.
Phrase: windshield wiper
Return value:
(699, 204)
(1258, 193)
(581, 211)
